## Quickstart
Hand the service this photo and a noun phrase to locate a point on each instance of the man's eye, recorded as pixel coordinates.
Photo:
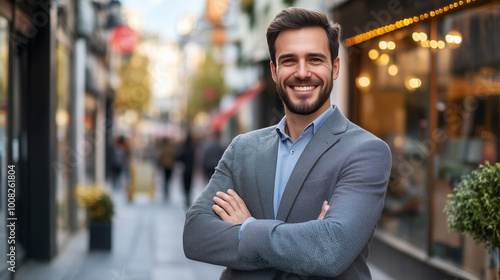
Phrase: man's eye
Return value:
(315, 59)
(287, 61)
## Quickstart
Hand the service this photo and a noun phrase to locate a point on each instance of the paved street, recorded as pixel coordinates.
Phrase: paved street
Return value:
(147, 245)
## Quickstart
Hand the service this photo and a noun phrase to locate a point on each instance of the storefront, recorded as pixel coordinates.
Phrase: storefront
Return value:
(425, 77)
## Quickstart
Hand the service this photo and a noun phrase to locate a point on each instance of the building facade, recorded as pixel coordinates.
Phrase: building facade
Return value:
(425, 77)
(53, 96)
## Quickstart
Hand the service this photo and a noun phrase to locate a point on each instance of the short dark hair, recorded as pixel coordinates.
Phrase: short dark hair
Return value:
(297, 18)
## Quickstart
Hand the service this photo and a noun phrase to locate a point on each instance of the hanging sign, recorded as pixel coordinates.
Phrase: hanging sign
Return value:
(122, 39)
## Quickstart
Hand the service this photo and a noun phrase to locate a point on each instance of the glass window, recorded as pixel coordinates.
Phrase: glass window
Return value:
(62, 121)
(468, 89)
(393, 104)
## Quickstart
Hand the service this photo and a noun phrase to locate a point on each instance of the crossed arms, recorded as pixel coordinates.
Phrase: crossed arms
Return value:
(323, 247)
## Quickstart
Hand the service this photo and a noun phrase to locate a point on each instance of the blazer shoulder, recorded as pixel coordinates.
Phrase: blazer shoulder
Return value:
(258, 133)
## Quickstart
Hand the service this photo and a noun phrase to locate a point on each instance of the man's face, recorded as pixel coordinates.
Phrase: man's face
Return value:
(304, 72)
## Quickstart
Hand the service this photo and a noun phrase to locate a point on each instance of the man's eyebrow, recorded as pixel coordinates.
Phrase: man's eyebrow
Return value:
(317, 54)
(311, 54)
(286, 55)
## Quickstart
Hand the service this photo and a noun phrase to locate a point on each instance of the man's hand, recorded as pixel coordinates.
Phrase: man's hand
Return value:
(230, 207)
(324, 208)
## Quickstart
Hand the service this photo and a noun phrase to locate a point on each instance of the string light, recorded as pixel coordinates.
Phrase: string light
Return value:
(402, 23)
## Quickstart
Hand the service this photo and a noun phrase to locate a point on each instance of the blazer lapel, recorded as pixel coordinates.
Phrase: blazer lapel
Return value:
(266, 171)
(326, 136)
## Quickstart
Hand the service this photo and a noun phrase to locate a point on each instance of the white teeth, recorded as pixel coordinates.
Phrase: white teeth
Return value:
(303, 88)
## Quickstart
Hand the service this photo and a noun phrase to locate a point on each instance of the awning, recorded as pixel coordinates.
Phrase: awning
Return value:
(221, 118)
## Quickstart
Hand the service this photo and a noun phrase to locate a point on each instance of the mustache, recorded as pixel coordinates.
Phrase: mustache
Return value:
(307, 82)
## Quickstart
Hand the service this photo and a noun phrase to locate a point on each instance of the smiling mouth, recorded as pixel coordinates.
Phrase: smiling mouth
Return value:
(303, 88)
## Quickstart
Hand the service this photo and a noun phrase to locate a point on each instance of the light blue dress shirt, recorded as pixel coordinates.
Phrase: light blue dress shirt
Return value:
(288, 155)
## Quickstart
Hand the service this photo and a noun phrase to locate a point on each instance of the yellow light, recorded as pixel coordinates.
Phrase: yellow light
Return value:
(406, 22)
(446, 8)
(423, 36)
(398, 24)
(454, 39)
(425, 44)
(412, 83)
(391, 45)
(455, 4)
(383, 59)
(363, 81)
(461, 3)
(382, 45)
(434, 44)
(373, 54)
(441, 44)
(415, 83)
(410, 20)
(422, 17)
(393, 70)
(440, 11)
(415, 36)
(398, 141)
(426, 15)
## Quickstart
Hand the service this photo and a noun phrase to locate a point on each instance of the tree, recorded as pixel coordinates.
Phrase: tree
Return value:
(207, 87)
(134, 91)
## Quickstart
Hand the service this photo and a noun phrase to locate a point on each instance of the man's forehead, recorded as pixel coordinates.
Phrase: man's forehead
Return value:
(306, 40)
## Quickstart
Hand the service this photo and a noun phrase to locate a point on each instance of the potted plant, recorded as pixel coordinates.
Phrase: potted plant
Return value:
(473, 208)
(100, 209)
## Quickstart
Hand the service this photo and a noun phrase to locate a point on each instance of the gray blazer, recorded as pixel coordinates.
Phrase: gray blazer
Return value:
(343, 164)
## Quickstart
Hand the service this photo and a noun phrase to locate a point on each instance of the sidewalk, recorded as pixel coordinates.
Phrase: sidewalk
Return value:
(147, 245)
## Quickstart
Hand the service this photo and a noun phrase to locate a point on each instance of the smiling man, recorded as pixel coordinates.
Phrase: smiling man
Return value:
(302, 198)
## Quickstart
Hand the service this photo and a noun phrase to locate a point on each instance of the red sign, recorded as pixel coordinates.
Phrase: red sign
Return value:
(122, 39)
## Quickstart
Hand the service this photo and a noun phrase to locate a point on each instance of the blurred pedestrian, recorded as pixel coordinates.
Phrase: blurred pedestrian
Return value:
(185, 155)
(265, 213)
(166, 161)
(211, 152)
(120, 155)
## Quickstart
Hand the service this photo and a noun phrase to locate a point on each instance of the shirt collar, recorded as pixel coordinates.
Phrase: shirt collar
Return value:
(316, 124)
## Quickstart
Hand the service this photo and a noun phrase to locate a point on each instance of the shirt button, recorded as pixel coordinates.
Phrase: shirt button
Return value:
(292, 152)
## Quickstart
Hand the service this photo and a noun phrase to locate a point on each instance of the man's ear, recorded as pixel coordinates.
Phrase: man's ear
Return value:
(336, 68)
(273, 71)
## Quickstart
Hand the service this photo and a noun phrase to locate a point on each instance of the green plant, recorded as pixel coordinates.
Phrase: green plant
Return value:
(474, 207)
(96, 201)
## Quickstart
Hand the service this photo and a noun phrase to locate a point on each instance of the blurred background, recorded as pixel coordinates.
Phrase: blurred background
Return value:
(139, 98)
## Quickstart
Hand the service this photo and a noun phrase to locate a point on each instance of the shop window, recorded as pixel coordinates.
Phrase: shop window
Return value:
(468, 105)
(393, 88)
(63, 167)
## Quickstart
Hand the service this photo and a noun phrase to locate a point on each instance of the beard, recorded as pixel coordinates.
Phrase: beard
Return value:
(303, 107)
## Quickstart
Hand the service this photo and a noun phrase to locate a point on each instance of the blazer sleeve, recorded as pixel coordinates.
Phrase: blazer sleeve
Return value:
(206, 237)
(327, 247)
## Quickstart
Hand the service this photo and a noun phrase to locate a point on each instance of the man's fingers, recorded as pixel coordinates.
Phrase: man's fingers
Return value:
(219, 211)
(324, 208)
(236, 197)
(229, 198)
(228, 208)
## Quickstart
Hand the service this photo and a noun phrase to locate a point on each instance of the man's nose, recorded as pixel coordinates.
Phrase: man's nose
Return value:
(302, 71)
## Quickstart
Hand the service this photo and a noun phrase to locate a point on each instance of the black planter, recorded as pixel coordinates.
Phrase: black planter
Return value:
(100, 235)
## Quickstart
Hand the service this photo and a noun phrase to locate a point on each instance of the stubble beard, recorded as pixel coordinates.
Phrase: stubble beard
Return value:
(303, 107)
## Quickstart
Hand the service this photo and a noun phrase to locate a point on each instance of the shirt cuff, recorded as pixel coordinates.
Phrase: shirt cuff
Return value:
(242, 228)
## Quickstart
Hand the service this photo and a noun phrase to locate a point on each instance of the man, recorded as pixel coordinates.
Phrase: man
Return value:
(263, 214)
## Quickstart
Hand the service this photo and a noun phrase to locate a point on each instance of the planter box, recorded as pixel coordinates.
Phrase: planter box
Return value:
(100, 235)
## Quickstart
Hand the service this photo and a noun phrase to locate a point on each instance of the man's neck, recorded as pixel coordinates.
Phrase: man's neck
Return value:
(295, 124)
